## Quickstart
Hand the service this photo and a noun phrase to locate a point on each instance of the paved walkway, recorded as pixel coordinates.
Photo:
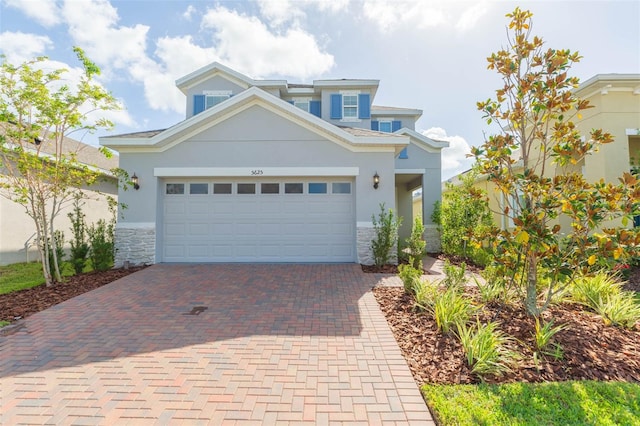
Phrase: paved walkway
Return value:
(212, 344)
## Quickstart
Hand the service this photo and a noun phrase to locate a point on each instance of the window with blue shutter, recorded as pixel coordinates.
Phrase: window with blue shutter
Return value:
(396, 125)
(198, 104)
(336, 106)
(364, 106)
(314, 108)
(375, 125)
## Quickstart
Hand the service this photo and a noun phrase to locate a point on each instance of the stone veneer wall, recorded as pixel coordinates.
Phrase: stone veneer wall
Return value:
(365, 255)
(431, 236)
(137, 245)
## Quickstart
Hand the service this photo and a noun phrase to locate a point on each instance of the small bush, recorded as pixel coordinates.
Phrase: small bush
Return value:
(486, 349)
(454, 275)
(101, 252)
(415, 244)
(543, 337)
(79, 246)
(451, 309)
(620, 309)
(426, 293)
(410, 277)
(386, 229)
(591, 291)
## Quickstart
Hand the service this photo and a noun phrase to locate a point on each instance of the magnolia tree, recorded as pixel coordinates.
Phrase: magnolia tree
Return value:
(39, 171)
(532, 162)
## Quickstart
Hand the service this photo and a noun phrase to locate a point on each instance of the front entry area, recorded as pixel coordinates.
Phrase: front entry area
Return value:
(258, 220)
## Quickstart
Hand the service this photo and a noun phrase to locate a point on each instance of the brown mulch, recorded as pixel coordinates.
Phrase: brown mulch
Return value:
(591, 350)
(21, 304)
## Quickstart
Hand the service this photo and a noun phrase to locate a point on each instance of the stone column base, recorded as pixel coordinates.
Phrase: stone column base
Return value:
(135, 243)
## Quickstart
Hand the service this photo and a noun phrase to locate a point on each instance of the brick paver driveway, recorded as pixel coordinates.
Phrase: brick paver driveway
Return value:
(212, 344)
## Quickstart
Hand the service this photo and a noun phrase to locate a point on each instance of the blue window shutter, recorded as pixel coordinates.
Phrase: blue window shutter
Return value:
(364, 105)
(314, 108)
(336, 106)
(403, 154)
(396, 125)
(291, 102)
(198, 104)
(375, 125)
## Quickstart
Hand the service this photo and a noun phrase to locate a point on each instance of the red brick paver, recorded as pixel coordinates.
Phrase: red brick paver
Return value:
(212, 344)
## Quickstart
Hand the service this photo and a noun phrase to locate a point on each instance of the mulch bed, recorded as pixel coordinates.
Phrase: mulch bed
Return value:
(21, 304)
(591, 350)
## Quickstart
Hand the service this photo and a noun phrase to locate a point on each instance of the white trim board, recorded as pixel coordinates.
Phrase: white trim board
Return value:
(254, 171)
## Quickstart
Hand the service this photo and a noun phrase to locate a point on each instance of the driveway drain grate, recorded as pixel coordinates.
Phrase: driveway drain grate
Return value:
(196, 310)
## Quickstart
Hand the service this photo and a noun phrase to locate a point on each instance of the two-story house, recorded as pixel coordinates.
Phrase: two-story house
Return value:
(268, 171)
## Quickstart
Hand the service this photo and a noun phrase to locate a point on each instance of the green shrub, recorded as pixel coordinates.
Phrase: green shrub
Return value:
(386, 230)
(410, 277)
(591, 291)
(486, 349)
(451, 309)
(426, 293)
(620, 309)
(543, 336)
(415, 244)
(454, 275)
(101, 251)
(79, 246)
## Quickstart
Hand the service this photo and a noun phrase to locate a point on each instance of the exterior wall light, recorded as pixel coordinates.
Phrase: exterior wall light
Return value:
(376, 180)
(134, 181)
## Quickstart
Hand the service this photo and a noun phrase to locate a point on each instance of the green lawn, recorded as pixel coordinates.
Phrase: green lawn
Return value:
(562, 403)
(20, 276)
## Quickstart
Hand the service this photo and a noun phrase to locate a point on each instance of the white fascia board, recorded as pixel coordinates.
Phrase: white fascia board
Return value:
(346, 83)
(396, 112)
(206, 72)
(254, 172)
(422, 141)
(301, 91)
(271, 83)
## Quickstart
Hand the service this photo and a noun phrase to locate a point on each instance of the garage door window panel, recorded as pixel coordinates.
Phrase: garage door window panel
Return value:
(317, 188)
(198, 188)
(246, 188)
(222, 188)
(270, 188)
(341, 188)
(175, 189)
(293, 188)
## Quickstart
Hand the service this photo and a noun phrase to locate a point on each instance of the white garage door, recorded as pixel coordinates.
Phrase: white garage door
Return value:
(310, 220)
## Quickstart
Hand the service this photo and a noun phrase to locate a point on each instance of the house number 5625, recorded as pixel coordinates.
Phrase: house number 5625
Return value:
(257, 172)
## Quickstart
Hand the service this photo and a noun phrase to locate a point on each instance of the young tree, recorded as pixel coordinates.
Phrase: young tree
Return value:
(532, 164)
(38, 109)
(462, 215)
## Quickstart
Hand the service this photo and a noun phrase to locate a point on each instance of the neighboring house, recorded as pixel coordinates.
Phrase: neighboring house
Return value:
(17, 230)
(616, 102)
(267, 171)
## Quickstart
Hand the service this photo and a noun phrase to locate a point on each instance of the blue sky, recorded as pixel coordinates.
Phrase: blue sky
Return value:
(427, 55)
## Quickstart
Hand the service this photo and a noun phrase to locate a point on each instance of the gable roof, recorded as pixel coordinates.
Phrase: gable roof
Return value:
(424, 142)
(158, 141)
(216, 68)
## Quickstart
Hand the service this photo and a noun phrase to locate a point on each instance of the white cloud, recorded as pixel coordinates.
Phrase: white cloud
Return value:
(246, 44)
(45, 12)
(20, 47)
(470, 16)
(188, 14)
(279, 12)
(454, 158)
(390, 15)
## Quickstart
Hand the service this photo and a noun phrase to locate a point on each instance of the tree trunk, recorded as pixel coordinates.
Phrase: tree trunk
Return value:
(531, 301)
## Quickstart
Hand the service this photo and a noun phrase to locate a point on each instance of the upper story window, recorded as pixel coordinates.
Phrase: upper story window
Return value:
(214, 97)
(384, 126)
(302, 104)
(350, 106)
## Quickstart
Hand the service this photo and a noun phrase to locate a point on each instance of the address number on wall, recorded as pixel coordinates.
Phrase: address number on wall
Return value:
(257, 172)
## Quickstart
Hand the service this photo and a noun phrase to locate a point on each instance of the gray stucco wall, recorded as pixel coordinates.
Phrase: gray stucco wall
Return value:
(256, 138)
